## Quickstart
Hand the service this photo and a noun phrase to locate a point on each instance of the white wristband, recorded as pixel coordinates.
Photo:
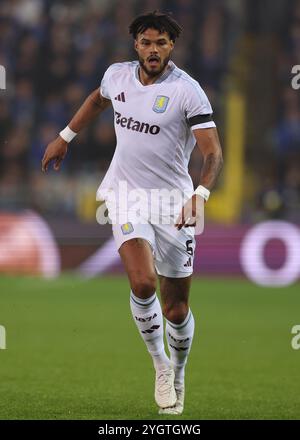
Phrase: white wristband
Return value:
(67, 134)
(203, 192)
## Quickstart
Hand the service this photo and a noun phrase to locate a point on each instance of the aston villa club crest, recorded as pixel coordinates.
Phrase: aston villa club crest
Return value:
(161, 103)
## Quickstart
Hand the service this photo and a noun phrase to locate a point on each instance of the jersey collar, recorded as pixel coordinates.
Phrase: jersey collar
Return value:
(171, 67)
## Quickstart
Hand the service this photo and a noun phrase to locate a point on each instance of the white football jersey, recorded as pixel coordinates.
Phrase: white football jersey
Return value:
(154, 128)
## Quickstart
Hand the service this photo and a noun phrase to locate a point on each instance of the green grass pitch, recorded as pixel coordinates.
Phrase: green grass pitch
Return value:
(73, 352)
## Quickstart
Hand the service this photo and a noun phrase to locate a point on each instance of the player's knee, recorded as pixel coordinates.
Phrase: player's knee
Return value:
(144, 287)
(176, 313)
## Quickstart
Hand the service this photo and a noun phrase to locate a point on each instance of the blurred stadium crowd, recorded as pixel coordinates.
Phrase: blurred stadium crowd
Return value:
(55, 53)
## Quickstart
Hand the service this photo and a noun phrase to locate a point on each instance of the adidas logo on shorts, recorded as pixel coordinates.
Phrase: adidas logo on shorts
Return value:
(188, 263)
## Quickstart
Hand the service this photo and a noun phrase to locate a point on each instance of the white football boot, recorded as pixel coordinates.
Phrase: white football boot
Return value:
(178, 408)
(165, 394)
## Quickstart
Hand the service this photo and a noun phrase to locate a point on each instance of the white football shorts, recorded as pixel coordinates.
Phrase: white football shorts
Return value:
(173, 250)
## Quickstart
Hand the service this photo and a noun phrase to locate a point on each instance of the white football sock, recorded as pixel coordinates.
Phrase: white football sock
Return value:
(180, 337)
(148, 317)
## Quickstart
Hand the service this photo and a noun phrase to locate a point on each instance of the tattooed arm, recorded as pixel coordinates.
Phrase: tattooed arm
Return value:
(209, 145)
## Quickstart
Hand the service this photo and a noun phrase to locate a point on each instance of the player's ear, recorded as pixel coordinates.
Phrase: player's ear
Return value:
(135, 45)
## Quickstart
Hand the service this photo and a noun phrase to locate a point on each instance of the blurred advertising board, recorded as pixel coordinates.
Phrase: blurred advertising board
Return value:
(267, 253)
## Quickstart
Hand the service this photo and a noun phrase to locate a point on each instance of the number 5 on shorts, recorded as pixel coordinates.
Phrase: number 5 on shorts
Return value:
(189, 248)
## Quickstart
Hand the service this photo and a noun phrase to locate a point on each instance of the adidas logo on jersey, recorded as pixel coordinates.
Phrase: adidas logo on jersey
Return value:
(120, 97)
(131, 124)
(188, 263)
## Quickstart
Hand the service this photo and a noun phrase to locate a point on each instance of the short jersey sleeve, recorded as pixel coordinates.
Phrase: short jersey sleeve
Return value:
(105, 83)
(197, 108)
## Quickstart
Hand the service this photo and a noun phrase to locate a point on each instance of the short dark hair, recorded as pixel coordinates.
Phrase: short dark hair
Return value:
(156, 20)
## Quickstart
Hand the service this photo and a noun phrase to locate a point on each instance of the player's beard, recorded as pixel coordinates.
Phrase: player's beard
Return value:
(152, 73)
